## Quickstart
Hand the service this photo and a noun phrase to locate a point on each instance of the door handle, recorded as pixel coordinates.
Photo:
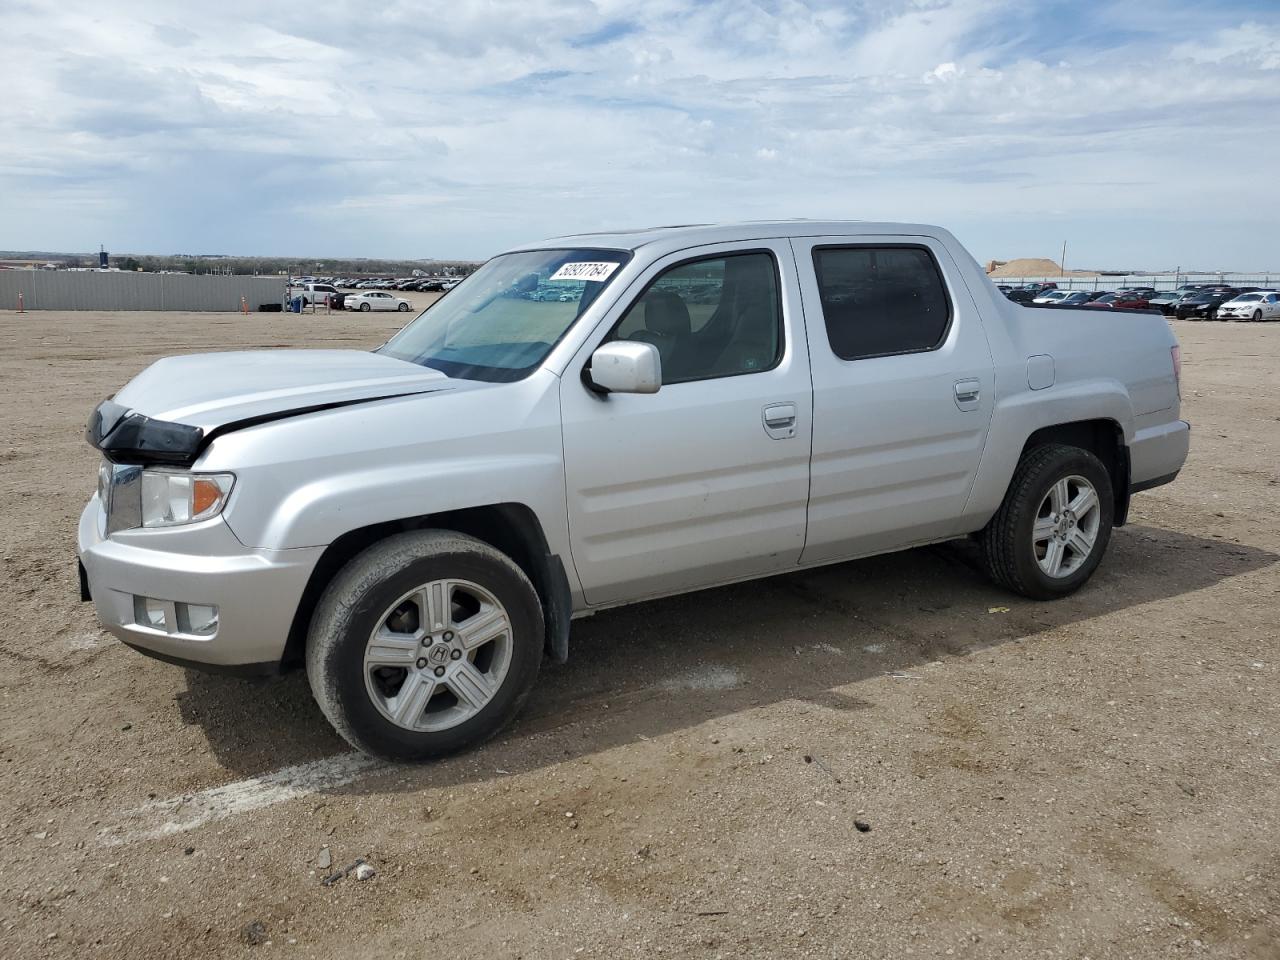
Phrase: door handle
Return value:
(968, 393)
(780, 420)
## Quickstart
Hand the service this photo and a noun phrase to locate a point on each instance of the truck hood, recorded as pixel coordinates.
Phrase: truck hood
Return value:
(170, 411)
(210, 390)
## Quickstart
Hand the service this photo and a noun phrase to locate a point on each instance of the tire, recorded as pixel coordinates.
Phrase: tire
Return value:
(403, 308)
(365, 308)
(375, 592)
(1257, 316)
(1011, 542)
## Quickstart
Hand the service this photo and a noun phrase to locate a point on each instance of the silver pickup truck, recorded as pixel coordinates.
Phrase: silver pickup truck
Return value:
(419, 524)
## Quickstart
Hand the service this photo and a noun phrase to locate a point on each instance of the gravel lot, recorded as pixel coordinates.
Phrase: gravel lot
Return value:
(1097, 777)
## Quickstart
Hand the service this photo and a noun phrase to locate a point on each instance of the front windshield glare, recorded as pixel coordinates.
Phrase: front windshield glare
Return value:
(501, 322)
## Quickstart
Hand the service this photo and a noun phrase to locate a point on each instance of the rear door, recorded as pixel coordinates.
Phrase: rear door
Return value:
(903, 392)
(706, 480)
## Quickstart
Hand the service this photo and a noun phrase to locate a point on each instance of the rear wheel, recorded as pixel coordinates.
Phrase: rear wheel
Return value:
(1053, 527)
(424, 644)
(365, 308)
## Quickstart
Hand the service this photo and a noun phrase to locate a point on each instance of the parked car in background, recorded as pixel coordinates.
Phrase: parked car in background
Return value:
(1171, 309)
(377, 300)
(1049, 296)
(1122, 301)
(317, 293)
(1029, 291)
(1254, 305)
(1078, 298)
(1204, 304)
(1165, 299)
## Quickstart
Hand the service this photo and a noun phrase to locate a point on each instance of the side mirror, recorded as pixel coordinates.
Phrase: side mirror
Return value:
(627, 366)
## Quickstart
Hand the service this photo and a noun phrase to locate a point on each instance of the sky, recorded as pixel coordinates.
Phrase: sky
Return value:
(1145, 136)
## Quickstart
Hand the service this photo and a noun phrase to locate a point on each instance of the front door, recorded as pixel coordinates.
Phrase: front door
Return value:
(706, 480)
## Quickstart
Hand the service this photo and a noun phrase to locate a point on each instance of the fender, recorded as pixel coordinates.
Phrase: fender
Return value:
(309, 481)
(1018, 416)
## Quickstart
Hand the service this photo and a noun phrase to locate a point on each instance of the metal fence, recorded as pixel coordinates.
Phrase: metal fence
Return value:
(89, 290)
(1163, 281)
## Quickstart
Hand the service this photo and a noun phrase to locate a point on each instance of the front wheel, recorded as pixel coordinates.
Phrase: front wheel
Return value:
(403, 308)
(1257, 316)
(424, 644)
(1053, 527)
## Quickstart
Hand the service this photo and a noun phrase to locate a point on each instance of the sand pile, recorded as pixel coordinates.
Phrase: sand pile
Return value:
(1032, 267)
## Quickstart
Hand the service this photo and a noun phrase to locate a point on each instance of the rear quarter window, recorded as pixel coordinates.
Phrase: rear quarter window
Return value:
(879, 301)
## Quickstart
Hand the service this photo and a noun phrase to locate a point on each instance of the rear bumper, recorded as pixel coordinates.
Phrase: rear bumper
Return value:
(1156, 454)
(256, 591)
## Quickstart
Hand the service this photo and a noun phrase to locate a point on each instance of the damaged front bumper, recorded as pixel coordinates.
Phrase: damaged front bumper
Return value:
(143, 583)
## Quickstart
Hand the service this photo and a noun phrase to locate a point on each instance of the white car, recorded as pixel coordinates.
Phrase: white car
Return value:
(1051, 296)
(1258, 305)
(377, 300)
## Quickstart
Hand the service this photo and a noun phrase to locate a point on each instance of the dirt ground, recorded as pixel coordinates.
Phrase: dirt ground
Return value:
(1097, 777)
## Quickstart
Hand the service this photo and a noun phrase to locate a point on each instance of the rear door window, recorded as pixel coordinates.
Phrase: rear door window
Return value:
(880, 301)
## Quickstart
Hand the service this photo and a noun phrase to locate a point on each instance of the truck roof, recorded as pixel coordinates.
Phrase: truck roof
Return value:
(693, 234)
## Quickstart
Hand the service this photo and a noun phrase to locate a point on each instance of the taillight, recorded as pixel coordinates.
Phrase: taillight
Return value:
(1176, 352)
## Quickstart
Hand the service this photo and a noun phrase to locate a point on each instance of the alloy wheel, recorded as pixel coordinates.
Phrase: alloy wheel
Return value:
(438, 655)
(1066, 526)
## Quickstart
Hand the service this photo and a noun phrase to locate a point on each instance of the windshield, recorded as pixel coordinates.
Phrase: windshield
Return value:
(501, 322)
(1248, 297)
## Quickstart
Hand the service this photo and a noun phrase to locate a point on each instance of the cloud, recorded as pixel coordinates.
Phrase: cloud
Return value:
(348, 128)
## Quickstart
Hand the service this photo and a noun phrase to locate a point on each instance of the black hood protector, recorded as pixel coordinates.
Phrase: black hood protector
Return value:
(125, 436)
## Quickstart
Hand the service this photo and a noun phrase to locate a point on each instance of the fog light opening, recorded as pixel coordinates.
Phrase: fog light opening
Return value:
(198, 619)
(149, 612)
(190, 619)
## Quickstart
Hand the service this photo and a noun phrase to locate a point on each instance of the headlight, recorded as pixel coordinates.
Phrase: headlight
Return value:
(172, 498)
